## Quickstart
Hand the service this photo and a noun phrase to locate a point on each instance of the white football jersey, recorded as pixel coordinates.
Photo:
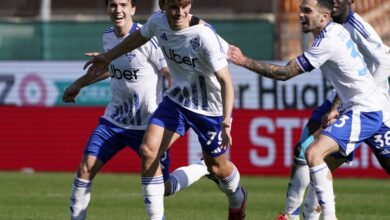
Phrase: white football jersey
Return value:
(375, 53)
(193, 55)
(341, 63)
(136, 84)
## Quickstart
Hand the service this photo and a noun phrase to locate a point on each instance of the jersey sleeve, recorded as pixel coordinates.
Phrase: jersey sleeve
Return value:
(147, 28)
(156, 56)
(224, 44)
(318, 54)
(372, 48)
(214, 49)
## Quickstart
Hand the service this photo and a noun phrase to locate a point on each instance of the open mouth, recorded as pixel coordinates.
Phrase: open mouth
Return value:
(119, 18)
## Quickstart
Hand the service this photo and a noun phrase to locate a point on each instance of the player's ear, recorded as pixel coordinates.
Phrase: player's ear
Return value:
(326, 16)
(132, 10)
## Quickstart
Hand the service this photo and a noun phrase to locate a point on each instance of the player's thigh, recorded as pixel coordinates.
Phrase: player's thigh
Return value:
(103, 144)
(320, 149)
(353, 128)
(208, 130)
(380, 145)
(157, 139)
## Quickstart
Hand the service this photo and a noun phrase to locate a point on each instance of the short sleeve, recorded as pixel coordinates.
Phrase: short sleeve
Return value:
(156, 56)
(319, 53)
(214, 49)
(147, 28)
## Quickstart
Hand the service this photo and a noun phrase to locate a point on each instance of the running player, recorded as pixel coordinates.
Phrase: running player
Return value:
(334, 52)
(377, 58)
(201, 97)
(136, 92)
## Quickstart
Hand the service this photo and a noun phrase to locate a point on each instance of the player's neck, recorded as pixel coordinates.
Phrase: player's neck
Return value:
(123, 31)
(318, 30)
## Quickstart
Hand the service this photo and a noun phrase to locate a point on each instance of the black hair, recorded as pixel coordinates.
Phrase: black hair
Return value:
(325, 4)
(133, 3)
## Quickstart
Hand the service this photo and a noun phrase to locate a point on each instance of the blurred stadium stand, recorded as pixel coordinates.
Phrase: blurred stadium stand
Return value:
(267, 29)
(290, 41)
(76, 26)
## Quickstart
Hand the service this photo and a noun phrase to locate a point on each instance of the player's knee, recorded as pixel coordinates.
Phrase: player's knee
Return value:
(147, 152)
(84, 172)
(215, 169)
(311, 156)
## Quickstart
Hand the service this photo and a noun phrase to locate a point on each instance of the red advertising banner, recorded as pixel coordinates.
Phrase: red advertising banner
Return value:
(263, 142)
(53, 139)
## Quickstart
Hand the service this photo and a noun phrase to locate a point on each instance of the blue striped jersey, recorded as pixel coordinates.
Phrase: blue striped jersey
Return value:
(376, 54)
(341, 63)
(136, 85)
(193, 56)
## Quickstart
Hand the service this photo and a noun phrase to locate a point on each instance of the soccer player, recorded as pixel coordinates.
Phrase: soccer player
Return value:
(365, 117)
(201, 97)
(377, 58)
(136, 92)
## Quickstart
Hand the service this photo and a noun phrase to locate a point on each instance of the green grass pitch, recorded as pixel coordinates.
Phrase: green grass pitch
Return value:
(45, 196)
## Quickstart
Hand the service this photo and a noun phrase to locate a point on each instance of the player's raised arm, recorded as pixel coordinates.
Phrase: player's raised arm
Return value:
(99, 64)
(265, 69)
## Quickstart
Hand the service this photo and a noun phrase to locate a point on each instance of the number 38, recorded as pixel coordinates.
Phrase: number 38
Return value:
(383, 140)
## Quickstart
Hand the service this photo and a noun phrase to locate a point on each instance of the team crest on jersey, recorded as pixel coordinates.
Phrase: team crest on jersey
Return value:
(130, 56)
(194, 43)
(164, 37)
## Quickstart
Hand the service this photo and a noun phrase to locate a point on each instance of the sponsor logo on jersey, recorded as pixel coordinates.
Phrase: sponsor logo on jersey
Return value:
(195, 43)
(126, 74)
(164, 37)
(177, 58)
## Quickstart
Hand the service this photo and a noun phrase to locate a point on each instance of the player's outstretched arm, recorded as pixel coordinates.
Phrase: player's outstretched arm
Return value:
(73, 90)
(265, 69)
(99, 64)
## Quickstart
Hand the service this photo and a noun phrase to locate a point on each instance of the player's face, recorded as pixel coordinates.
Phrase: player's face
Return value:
(311, 17)
(177, 13)
(340, 7)
(121, 12)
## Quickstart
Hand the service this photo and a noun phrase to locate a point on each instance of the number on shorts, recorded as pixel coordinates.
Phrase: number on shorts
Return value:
(212, 135)
(342, 121)
(383, 140)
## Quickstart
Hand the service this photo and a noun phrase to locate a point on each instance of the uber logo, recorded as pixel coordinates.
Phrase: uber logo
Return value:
(126, 74)
(177, 58)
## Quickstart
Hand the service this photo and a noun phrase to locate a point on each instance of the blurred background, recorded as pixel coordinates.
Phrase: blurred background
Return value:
(42, 44)
(59, 30)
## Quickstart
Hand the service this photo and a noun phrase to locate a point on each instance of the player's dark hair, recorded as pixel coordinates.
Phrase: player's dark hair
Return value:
(182, 3)
(325, 4)
(133, 3)
(161, 3)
